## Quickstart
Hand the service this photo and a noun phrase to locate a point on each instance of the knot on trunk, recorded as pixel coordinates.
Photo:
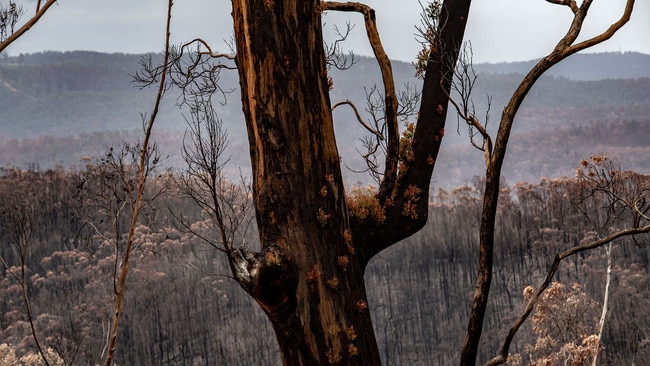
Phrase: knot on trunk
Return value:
(268, 276)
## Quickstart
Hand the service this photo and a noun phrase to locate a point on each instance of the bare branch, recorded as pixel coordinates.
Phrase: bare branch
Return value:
(370, 158)
(9, 269)
(28, 25)
(408, 101)
(226, 206)
(607, 34)
(390, 104)
(334, 55)
(463, 84)
(229, 56)
(473, 122)
(195, 72)
(570, 3)
(359, 119)
(375, 144)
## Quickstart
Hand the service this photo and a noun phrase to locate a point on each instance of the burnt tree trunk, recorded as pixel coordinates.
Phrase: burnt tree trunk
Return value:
(308, 275)
(308, 293)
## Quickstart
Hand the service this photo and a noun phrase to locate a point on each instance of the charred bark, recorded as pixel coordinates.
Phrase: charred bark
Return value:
(306, 277)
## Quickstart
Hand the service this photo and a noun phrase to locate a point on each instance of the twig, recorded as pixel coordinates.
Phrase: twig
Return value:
(359, 119)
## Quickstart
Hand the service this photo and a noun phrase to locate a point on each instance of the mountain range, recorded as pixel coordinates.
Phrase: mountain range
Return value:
(65, 108)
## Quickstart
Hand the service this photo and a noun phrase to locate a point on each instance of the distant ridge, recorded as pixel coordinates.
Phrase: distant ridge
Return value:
(587, 67)
(56, 108)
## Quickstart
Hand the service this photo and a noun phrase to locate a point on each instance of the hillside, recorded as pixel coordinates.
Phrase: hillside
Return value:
(59, 108)
(182, 308)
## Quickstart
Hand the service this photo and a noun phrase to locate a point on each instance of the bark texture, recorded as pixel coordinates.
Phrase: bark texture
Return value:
(308, 275)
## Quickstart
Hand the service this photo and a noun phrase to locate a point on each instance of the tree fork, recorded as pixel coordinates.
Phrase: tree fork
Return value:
(427, 138)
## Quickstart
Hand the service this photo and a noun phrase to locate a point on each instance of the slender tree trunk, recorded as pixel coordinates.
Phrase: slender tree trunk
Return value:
(137, 205)
(603, 315)
(564, 48)
(28, 307)
(306, 277)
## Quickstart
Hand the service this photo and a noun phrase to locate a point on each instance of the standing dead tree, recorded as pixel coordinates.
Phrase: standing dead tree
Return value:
(315, 244)
(146, 161)
(225, 205)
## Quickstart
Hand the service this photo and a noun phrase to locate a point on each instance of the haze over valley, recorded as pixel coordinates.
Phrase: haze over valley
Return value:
(64, 108)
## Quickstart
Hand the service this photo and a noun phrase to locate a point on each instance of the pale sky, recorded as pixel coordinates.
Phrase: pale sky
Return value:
(499, 30)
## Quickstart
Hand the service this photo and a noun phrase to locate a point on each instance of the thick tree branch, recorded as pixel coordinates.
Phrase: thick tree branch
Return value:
(562, 50)
(503, 353)
(390, 95)
(40, 11)
(607, 34)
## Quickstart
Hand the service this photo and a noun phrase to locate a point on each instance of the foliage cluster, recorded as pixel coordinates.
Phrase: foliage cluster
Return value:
(564, 322)
(363, 204)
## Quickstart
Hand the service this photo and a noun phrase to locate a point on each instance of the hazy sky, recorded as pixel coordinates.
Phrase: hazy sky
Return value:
(500, 30)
